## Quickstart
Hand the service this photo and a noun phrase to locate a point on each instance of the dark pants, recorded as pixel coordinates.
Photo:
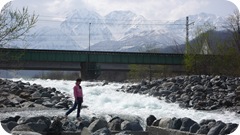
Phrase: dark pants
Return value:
(78, 102)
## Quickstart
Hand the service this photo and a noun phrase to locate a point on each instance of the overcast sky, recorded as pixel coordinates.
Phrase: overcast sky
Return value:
(150, 9)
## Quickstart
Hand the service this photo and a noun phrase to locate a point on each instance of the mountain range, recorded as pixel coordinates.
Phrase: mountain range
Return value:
(117, 31)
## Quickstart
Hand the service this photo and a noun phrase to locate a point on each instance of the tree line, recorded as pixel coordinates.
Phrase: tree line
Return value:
(215, 54)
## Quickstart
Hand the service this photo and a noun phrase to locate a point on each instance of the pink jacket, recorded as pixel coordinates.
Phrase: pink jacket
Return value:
(77, 90)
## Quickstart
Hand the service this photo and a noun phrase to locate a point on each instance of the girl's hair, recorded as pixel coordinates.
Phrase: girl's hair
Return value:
(78, 80)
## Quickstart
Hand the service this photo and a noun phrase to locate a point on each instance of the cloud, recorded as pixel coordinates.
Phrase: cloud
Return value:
(150, 9)
(158, 9)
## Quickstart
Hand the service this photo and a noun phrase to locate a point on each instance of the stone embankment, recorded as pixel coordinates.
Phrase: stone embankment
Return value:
(187, 126)
(59, 125)
(200, 92)
(41, 125)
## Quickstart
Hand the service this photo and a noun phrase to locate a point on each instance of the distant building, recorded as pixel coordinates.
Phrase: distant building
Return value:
(205, 48)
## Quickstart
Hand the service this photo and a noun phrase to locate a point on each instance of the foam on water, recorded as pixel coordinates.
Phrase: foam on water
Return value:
(103, 100)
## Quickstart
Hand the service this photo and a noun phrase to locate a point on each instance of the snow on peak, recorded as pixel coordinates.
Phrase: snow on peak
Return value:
(118, 29)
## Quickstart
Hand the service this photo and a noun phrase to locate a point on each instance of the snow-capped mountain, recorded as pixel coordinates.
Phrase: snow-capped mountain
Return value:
(117, 31)
(126, 24)
(196, 21)
(79, 23)
(51, 38)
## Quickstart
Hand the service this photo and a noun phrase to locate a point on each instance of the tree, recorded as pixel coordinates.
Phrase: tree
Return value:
(214, 52)
(233, 26)
(194, 60)
(146, 71)
(14, 24)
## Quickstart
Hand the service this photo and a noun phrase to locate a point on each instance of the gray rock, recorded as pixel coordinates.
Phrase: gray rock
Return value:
(22, 127)
(164, 122)
(36, 94)
(194, 128)
(69, 126)
(39, 127)
(102, 131)
(150, 119)
(56, 127)
(115, 124)
(97, 124)
(9, 126)
(14, 119)
(156, 122)
(48, 104)
(186, 124)
(25, 133)
(203, 130)
(83, 123)
(131, 125)
(206, 121)
(229, 128)
(85, 131)
(175, 124)
(24, 120)
(217, 128)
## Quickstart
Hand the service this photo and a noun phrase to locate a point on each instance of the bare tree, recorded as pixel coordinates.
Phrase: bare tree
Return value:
(14, 24)
(233, 25)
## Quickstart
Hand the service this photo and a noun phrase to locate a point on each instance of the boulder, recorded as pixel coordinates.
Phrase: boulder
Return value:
(175, 123)
(228, 129)
(115, 124)
(150, 119)
(186, 124)
(69, 126)
(9, 126)
(194, 128)
(131, 125)
(22, 127)
(25, 133)
(217, 128)
(203, 130)
(164, 122)
(56, 127)
(97, 124)
(102, 131)
(24, 120)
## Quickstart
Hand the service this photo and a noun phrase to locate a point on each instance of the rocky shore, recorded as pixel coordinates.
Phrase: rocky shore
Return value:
(23, 96)
(58, 125)
(41, 125)
(204, 127)
(198, 92)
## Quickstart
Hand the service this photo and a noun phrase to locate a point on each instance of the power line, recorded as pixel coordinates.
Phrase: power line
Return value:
(110, 23)
(105, 19)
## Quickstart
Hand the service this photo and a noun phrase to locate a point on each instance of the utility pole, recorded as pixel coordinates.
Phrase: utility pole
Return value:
(187, 33)
(89, 36)
(187, 30)
(87, 65)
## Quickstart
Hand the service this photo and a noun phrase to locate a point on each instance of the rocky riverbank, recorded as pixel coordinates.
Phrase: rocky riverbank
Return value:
(200, 92)
(204, 127)
(41, 125)
(23, 96)
(58, 125)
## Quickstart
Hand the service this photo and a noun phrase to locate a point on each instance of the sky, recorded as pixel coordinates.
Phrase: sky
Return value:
(150, 9)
